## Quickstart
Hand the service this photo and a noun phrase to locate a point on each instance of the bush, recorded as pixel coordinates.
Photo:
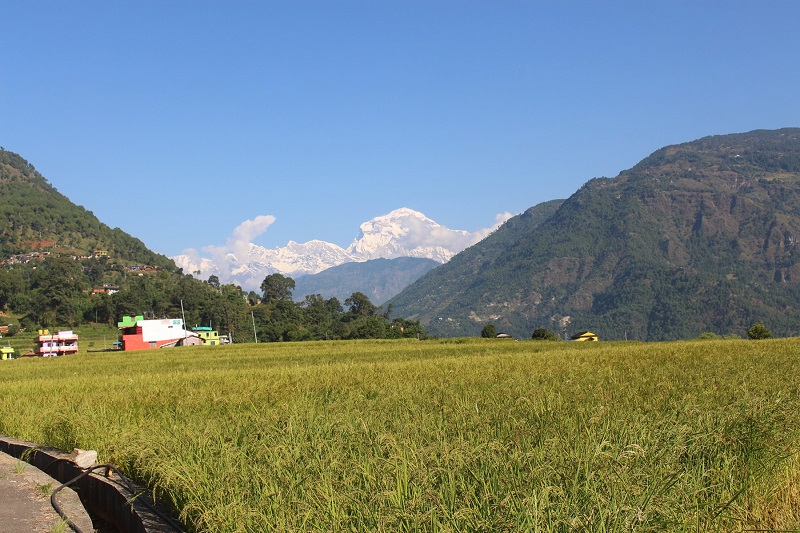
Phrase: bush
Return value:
(759, 331)
(544, 334)
(489, 331)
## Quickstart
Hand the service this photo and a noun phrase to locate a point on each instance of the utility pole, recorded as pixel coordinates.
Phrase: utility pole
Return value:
(183, 316)
(254, 327)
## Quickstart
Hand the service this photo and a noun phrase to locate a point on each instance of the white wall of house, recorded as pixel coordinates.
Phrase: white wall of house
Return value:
(161, 330)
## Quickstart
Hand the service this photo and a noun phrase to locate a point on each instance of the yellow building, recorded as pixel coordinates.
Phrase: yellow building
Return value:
(585, 336)
(207, 335)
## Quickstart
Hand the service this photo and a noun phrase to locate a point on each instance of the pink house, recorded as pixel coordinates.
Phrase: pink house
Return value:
(61, 343)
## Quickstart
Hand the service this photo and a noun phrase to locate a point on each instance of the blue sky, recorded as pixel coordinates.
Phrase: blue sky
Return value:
(179, 120)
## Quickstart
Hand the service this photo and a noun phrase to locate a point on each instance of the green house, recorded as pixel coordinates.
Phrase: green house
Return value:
(7, 352)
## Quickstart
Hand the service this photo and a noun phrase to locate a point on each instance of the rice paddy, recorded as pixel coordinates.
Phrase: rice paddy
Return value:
(451, 435)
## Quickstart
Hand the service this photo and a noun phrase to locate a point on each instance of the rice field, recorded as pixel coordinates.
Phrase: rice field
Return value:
(451, 435)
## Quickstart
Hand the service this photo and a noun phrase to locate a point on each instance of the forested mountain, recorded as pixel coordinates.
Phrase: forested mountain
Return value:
(35, 216)
(379, 279)
(701, 236)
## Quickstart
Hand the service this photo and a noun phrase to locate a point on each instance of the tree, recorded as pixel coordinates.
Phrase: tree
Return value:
(96, 270)
(759, 331)
(281, 322)
(12, 285)
(150, 296)
(334, 306)
(213, 281)
(360, 306)
(231, 314)
(277, 288)
(544, 334)
(317, 317)
(58, 292)
(402, 328)
(367, 327)
(489, 331)
(101, 310)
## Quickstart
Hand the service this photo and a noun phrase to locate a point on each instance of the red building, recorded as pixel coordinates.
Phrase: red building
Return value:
(140, 334)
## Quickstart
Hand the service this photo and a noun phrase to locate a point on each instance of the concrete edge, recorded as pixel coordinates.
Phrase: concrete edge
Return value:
(29, 476)
(106, 496)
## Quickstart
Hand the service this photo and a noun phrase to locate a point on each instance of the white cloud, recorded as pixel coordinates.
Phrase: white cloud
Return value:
(481, 234)
(422, 234)
(217, 259)
(248, 230)
(239, 241)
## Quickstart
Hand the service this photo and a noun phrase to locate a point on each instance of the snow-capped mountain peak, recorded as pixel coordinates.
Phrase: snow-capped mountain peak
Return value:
(405, 233)
(401, 233)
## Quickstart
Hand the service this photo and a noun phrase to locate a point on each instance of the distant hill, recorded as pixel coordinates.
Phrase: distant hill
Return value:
(701, 236)
(35, 216)
(379, 279)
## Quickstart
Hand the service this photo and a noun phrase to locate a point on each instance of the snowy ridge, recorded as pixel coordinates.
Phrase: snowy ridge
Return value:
(401, 233)
(298, 259)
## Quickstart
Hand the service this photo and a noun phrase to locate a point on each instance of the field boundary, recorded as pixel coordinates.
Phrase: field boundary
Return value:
(107, 497)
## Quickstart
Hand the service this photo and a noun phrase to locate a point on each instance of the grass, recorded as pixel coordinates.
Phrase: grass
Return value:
(467, 435)
(61, 526)
(44, 489)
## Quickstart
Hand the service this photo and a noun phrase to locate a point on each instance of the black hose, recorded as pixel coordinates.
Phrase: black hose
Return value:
(57, 507)
(126, 485)
(51, 463)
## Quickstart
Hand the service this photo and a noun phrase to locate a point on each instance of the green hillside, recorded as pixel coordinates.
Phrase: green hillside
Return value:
(35, 216)
(701, 236)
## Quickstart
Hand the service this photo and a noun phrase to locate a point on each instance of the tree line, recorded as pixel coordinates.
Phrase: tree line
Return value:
(57, 293)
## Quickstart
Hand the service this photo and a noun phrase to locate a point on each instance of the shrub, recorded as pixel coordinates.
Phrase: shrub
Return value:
(489, 331)
(759, 331)
(544, 334)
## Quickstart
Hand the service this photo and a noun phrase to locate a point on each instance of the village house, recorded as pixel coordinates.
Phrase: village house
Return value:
(584, 336)
(51, 345)
(140, 334)
(110, 289)
(207, 335)
(106, 289)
